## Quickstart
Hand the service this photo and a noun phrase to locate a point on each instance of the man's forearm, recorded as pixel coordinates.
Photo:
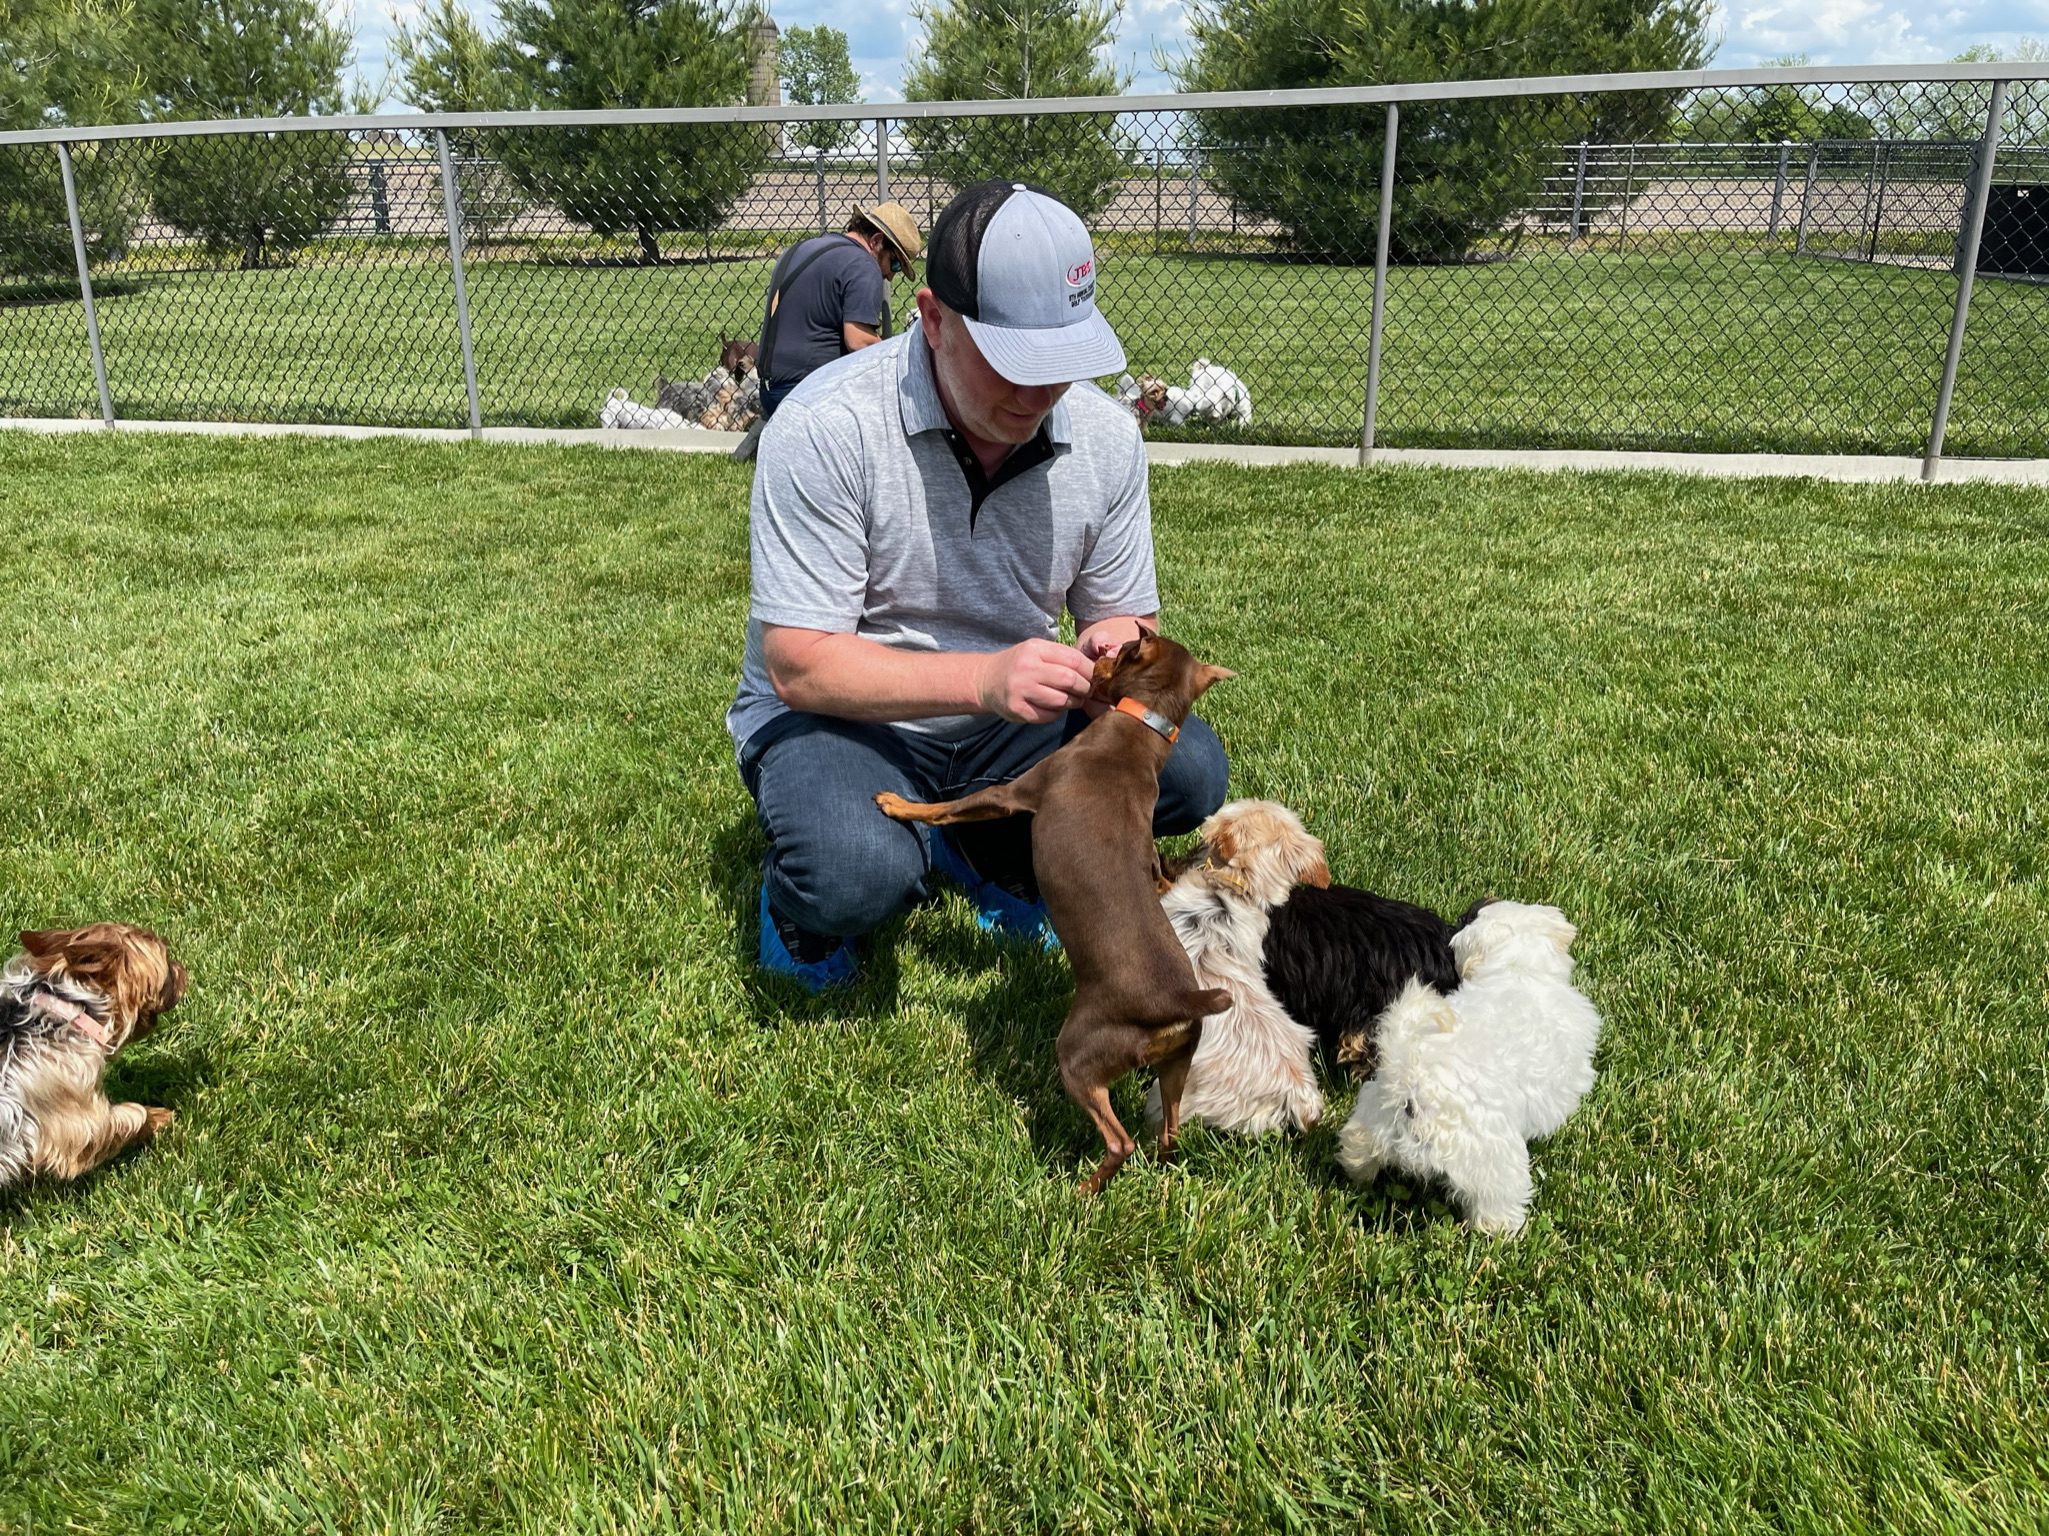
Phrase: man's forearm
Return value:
(856, 679)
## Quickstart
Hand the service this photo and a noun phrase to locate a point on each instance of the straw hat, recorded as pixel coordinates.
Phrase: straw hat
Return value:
(899, 231)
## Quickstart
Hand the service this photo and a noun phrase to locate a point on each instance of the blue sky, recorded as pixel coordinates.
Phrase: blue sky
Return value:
(1752, 32)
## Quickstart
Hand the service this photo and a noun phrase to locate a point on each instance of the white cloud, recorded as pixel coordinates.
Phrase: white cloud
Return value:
(1853, 32)
(1844, 32)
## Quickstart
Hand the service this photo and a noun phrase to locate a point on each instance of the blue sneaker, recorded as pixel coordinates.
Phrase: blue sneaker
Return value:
(996, 910)
(774, 956)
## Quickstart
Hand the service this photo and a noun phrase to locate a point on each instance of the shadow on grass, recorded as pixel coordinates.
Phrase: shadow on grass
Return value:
(1012, 1029)
(737, 851)
(24, 295)
(156, 1078)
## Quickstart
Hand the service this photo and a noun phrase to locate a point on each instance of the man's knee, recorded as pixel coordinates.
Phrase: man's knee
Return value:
(848, 880)
(1194, 781)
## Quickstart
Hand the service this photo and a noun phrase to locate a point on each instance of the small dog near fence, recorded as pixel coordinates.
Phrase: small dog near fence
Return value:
(1214, 397)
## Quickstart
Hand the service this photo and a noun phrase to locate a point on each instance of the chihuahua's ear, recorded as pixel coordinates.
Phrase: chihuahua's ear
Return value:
(1206, 674)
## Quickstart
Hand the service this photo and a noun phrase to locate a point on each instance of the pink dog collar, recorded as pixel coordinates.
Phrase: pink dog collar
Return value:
(63, 1009)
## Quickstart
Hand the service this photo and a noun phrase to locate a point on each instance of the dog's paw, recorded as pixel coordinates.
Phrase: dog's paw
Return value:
(892, 805)
(154, 1120)
(1502, 1223)
(1360, 1154)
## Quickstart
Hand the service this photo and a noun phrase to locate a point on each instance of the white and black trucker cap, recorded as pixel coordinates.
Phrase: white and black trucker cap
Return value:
(1018, 266)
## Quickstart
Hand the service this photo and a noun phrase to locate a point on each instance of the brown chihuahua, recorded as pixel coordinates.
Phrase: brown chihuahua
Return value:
(1136, 1002)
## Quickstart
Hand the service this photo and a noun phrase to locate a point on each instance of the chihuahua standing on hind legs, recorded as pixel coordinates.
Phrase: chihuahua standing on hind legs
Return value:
(1136, 1001)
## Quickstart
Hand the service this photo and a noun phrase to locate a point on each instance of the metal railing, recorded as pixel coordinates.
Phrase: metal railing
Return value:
(1603, 261)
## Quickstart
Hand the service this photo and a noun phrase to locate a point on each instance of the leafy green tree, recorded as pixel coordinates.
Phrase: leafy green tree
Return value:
(1464, 168)
(817, 71)
(1955, 109)
(643, 179)
(248, 58)
(1773, 114)
(976, 50)
(445, 62)
(61, 62)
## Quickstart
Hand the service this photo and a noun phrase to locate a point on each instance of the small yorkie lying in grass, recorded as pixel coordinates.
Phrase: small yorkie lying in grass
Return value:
(68, 1004)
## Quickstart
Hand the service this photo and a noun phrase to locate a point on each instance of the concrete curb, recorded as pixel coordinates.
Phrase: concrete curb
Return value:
(1860, 468)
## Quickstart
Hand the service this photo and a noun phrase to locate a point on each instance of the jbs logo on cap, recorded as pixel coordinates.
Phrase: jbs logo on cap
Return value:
(1079, 274)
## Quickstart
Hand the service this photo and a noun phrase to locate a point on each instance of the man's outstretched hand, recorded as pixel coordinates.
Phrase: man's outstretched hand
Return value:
(1034, 681)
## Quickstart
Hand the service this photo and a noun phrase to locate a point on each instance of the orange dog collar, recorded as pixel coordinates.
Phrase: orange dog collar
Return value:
(1149, 717)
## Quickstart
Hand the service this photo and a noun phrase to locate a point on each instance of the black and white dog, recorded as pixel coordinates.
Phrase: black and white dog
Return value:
(1305, 961)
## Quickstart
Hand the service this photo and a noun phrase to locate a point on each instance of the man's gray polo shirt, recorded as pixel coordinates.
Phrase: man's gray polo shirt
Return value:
(861, 524)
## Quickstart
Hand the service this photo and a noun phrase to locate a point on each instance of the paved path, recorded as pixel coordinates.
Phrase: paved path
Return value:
(1869, 467)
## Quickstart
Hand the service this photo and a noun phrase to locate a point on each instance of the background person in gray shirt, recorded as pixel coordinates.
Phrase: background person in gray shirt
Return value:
(923, 512)
(829, 296)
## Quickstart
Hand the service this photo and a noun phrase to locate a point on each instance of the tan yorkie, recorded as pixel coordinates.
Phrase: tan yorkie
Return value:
(67, 1005)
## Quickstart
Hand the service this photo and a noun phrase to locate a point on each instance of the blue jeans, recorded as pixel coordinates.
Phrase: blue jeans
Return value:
(837, 865)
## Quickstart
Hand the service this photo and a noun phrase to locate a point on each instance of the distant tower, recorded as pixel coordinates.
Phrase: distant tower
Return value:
(764, 87)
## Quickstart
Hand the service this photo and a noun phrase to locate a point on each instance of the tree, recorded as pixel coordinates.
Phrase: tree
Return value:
(248, 58)
(646, 179)
(1775, 114)
(61, 62)
(1464, 168)
(446, 63)
(1955, 109)
(975, 50)
(817, 71)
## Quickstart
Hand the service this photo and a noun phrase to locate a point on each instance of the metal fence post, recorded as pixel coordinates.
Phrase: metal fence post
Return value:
(92, 319)
(1159, 158)
(1779, 189)
(822, 220)
(1878, 212)
(380, 198)
(1870, 189)
(1628, 184)
(1193, 181)
(1579, 194)
(1380, 234)
(1981, 193)
(881, 159)
(451, 203)
(1806, 192)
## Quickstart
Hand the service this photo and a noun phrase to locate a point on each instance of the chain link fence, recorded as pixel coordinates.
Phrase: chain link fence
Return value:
(1733, 261)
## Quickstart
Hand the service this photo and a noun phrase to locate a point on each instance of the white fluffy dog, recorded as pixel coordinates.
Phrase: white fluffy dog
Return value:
(1465, 1082)
(1252, 1071)
(1218, 396)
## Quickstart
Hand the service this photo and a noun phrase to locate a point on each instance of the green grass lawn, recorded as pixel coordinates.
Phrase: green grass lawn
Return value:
(1669, 344)
(503, 1196)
